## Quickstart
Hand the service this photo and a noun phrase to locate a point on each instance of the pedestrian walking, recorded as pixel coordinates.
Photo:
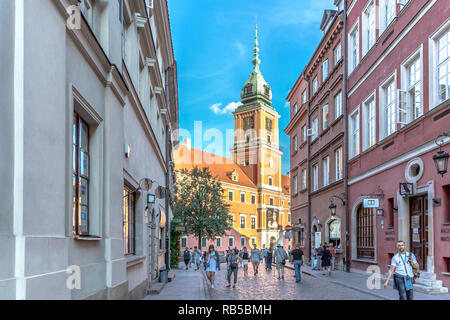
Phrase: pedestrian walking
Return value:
(265, 256)
(326, 260)
(269, 259)
(211, 265)
(319, 252)
(333, 255)
(205, 259)
(197, 256)
(191, 261)
(297, 259)
(232, 267)
(244, 256)
(187, 257)
(402, 267)
(313, 258)
(255, 256)
(280, 260)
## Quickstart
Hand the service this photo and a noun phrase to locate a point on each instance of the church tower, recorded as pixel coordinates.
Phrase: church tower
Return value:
(256, 146)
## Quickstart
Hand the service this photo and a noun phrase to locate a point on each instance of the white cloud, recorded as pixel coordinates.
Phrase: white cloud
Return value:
(240, 48)
(228, 109)
(287, 104)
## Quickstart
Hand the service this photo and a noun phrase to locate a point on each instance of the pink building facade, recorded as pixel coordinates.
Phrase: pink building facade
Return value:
(398, 103)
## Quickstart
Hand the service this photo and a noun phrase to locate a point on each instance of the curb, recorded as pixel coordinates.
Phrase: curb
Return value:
(345, 285)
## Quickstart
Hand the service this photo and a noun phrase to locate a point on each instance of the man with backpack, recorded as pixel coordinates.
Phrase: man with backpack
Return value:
(319, 253)
(280, 260)
(403, 265)
(187, 257)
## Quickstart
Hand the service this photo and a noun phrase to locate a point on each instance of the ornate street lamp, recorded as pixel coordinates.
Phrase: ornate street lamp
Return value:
(441, 158)
(332, 208)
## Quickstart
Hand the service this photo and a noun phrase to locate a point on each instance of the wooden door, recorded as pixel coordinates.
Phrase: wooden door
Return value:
(419, 229)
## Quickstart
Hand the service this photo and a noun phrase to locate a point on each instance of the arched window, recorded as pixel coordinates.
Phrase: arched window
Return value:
(365, 231)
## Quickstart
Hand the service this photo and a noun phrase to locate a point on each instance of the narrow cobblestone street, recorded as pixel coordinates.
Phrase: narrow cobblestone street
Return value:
(193, 285)
(266, 286)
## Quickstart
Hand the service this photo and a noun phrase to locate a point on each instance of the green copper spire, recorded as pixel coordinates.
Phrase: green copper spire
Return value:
(256, 60)
(256, 90)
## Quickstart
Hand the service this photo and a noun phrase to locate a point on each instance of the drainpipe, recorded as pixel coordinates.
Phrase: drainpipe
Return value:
(309, 165)
(347, 218)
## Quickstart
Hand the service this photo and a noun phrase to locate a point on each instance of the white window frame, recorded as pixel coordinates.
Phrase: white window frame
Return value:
(326, 171)
(304, 133)
(409, 112)
(324, 70)
(433, 64)
(243, 243)
(295, 108)
(382, 105)
(256, 222)
(245, 220)
(253, 240)
(295, 143)
(232, 241)
(304, 181)
(304, 96)
(325, 122)
(369, 123)
(354, 136)
(353, 47)
(315, 128)
(337, 54)
(315, 85)
(271, 201)
(232, 195)
(315, 177)
(242, 194)
(368, 27)
(338, 105)
(295, 183)
(253, 197)
(270, 181)
(218, 240)
(339, 164)
(206, 242)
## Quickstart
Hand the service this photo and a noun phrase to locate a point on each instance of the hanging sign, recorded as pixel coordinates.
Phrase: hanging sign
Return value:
(371, 203)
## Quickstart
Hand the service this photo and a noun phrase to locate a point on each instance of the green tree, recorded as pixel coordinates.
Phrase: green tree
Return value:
(174, 244)
(200, 206)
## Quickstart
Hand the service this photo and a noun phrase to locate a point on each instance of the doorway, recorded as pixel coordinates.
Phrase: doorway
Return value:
(419, 229)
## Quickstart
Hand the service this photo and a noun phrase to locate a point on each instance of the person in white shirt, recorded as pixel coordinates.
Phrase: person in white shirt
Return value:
(402, 265)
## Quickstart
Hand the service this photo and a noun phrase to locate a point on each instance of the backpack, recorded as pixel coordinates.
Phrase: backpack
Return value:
(186, 255)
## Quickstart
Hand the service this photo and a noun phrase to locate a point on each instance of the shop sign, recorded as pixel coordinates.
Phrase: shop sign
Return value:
(371, 203)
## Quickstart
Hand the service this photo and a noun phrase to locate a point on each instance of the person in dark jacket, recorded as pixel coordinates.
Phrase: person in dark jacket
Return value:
(269, 260)
(319, 253)
(187, 257)
(326, 260)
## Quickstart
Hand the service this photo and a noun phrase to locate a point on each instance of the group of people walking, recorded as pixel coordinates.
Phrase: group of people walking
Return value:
(234, 258)
(323, 258)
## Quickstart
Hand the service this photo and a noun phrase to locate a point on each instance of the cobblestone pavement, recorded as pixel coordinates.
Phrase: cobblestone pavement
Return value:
(266, 286)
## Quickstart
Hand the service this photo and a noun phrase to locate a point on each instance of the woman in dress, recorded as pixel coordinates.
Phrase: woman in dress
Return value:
(244, 257)
(326, 260)
(211, 265)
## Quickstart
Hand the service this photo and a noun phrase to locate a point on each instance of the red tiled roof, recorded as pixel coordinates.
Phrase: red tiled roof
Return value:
(220, 167)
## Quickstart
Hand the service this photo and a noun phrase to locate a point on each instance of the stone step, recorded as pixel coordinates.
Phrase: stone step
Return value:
(427, 275)
(156, 287)
(430, 290)
(429, 283)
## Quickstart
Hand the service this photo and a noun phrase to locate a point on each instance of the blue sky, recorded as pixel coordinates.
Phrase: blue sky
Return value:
(213, 42)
